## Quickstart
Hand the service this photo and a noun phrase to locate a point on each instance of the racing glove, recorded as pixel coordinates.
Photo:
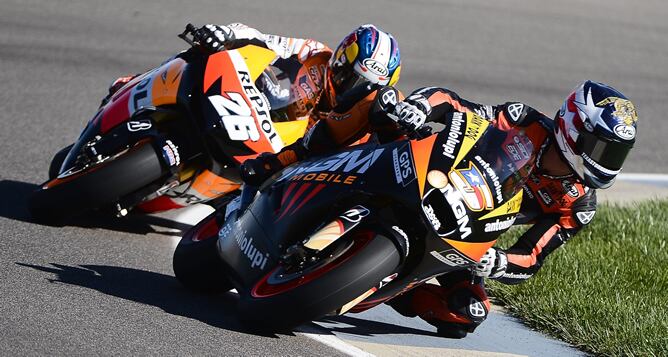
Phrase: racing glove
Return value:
(214, 37)
(412, 112)
(255, 171)
(493, 264)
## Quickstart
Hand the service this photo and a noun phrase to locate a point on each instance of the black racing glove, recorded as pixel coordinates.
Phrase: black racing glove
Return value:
(412, 112)
(255, 171)
(213, 37)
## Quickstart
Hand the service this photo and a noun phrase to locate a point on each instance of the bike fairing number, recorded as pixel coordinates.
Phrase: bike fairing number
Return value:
(242, 125)
(236, 116)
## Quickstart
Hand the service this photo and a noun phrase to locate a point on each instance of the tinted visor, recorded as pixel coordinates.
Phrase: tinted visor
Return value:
(607, 153)
(345, 78)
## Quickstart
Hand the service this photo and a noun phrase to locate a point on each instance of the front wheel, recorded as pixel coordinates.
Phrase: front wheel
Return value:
(57, 161)
(283, 299)
(196, 262)
(97, 186)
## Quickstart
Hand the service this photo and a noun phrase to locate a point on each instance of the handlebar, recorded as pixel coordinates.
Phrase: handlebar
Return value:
(190, 30)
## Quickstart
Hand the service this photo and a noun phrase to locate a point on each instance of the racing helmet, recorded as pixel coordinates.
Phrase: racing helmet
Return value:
(595, 129)
(366, 55)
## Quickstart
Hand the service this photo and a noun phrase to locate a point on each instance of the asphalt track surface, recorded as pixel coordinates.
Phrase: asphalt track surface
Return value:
(106, 287)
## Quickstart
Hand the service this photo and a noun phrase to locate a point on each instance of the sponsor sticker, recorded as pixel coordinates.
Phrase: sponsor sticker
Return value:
(626, 132)
(512, 150)
(454, 135)
(404, 172)
(138, 125)
(256, 257)
(585, 217)
(473, 187)
(545, 197)
(375, 67)
(499, 225)
(452, 258)
(454, 198)
(515, 111)
(431, 216)
(171, 153)
(355, 214)
(355, 161)
(404, 236)
(476, 308)
(570, 189)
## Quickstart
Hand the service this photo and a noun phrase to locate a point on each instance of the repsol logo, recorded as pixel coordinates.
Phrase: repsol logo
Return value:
(261, 107)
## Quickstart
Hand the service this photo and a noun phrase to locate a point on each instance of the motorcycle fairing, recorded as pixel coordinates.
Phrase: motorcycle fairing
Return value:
(154, 88)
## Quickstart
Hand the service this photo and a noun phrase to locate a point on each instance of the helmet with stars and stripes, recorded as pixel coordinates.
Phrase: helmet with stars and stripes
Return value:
(595, 129)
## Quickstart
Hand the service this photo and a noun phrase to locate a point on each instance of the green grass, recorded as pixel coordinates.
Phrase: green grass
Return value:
(606, 290)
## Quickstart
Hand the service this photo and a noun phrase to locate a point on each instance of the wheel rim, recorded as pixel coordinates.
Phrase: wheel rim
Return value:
(279, 280)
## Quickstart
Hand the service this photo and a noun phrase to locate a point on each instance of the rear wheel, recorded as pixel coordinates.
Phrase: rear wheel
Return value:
(95, 187)
(284, 299)
(196, 262)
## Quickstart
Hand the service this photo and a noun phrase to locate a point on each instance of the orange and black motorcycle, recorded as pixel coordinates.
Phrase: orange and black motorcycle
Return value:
(176, 134)
(348, 231)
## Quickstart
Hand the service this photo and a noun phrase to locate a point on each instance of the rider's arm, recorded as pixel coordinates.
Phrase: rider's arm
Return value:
(527, 255)
(284, 46)
(444, 101)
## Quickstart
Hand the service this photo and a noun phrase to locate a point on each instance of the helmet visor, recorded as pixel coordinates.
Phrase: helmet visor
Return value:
(607, 153)
(345, 78)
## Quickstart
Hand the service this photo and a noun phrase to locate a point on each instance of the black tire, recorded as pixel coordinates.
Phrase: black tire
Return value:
(196, 262)
(57, 161)
(374, 261)
(96, 187)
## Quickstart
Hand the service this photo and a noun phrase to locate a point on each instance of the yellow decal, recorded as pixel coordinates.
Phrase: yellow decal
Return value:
(624, 109)
(257, 59)
(290, 131)
(351, 52)
(395, 76)
(475, 127)
(325, 236)
(356, 301)
(512, 206)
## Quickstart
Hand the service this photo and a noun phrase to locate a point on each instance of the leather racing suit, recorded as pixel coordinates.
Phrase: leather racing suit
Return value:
(557, 208)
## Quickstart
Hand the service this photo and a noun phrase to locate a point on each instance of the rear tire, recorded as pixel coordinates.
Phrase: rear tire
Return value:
(96, 187)
(341, 283)
(196, 262)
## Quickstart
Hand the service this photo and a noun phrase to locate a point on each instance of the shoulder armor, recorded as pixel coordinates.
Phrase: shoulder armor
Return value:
(520, 114)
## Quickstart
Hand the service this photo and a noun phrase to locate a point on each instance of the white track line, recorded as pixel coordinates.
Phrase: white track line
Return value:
(312, 331)
(642, 177)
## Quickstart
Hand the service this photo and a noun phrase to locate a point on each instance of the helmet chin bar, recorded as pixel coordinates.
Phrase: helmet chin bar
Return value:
(575, 162)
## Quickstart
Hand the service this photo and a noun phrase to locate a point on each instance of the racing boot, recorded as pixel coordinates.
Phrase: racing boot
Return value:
(455, 308)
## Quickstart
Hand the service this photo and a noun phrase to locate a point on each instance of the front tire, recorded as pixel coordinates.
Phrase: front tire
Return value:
(98, 186)
(57, 161)
(196, 262)
(275, 305)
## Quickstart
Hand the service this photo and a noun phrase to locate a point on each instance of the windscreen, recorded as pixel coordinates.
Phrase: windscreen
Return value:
(292, 88)
(505, 157)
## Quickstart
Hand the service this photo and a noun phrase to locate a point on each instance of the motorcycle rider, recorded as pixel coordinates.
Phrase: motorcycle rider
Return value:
(582, 149)
(364, 60)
